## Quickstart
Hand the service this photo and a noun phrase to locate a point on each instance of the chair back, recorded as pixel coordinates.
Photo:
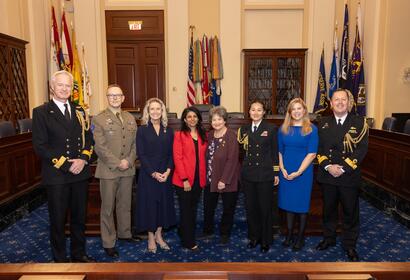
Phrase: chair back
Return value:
(172, 115)
(203, 107)
(236, 115)
(24, 125)
(407, 127)
(389, 123)
(7, 129)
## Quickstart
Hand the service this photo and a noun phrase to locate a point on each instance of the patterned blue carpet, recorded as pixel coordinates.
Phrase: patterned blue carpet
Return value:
(381, 239)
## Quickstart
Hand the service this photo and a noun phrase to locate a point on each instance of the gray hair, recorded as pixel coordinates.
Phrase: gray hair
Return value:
(61, 72)
(220, 111)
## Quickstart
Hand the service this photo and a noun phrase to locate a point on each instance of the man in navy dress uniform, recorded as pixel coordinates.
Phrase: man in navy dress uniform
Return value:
(63, 141)
(343, 141)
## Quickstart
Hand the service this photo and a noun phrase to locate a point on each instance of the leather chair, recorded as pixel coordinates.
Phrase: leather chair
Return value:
(203, 107)
(137, 115)
(407, 127)
(172, 115)
(370, 122)
(389, 123)
(236, 115)
(24, 125)
(7, 129)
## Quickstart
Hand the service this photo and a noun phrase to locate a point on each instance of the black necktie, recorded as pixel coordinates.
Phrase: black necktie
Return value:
(255, 128)
(339, 122)
(67, 113)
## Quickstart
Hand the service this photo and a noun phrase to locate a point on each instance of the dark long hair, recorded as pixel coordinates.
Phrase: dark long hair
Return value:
(199, 127)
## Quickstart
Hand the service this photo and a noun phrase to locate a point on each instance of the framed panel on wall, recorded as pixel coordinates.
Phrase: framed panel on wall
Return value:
(273, 76)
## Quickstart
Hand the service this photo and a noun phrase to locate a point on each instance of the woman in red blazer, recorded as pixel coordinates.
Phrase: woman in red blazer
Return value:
(190, 172)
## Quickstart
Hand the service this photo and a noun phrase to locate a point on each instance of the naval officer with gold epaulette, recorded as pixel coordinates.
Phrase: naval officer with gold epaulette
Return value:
(114, 135)
(260, 171)
(63, 141)
(343, 141)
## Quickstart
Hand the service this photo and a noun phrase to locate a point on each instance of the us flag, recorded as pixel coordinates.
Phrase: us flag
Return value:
(190, 94)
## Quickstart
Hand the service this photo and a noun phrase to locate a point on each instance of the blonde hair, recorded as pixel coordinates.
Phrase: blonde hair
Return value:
(145, 113)
(306, 125)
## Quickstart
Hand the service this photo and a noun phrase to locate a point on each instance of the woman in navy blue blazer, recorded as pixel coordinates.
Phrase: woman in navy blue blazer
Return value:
(155, 200)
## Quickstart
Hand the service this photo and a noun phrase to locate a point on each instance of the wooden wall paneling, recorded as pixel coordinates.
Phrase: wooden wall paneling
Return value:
(4, 177)
(20, 170)
(387, 163)
(17, 160)
(123, 70)
(153, 70)
(13, 79)
(136, 58)
(118, 29)
(391, 166)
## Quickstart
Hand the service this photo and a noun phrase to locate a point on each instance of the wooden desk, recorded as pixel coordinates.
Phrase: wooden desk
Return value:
(19, 167)
(128, 271)
(387, 163)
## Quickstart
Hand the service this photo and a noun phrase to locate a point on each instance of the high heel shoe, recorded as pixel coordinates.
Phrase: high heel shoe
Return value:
(299, 244)
(152, 250)
(288, 241)
(164, 246)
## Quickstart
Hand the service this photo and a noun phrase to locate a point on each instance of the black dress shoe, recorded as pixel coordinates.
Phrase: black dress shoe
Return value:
(264, 248)
(111, 252)
(288, 241)
(252, 244)
(224, 239)
(62, 260)
(324, 244)
(352, 255)
(299, 244)
(132, 239)
(82, 259)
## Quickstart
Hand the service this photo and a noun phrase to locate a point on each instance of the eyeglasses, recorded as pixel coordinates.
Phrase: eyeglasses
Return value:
(115, 96)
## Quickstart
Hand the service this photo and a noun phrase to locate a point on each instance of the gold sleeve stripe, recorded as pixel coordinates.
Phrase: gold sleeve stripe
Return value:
(59, 162)
(87, 153)
(351, 163)
(276, 168)
(321, 158)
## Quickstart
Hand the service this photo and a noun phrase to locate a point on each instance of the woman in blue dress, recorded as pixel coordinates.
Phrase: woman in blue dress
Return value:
(298, 142)
(155, 197)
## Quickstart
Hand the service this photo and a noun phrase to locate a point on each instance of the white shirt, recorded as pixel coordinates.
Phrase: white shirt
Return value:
(255, 124)
(342, 119)
(61, 106)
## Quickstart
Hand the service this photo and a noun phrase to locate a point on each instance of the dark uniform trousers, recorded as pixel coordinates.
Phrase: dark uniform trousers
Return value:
(56, 140)
(60, 198)
(334, 149)
(259, 209)
(349, 199)
(259, 168)
(210, 202)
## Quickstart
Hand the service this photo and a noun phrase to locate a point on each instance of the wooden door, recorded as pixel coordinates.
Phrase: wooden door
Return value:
(136, 57)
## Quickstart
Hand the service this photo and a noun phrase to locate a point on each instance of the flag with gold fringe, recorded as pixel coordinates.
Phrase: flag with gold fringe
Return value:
(190, 93)
(66, 47)
(86, 81)
(334, 77)
(77, 94)
(54, 64)
(344, 51)
(356, 83)
(321, 103)
(205, 70)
